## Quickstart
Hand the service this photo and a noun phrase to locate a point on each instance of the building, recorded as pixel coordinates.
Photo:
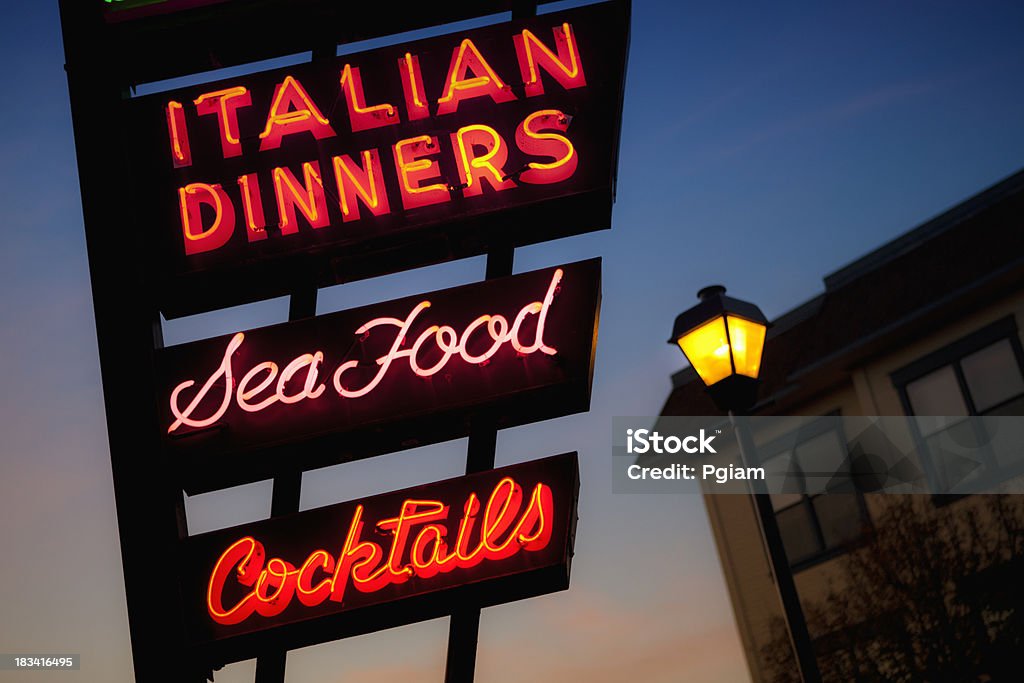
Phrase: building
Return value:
(893, 587)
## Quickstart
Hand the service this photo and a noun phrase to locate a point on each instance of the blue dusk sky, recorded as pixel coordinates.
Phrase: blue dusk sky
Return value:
(764, 145)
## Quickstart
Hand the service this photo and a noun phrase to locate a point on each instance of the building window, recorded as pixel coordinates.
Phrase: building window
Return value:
(814, 525)
(979, 375)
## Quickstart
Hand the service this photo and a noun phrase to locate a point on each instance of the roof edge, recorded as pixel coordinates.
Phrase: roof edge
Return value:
(916, 236)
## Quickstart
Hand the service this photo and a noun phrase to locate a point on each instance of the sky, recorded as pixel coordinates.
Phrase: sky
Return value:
(764, 145)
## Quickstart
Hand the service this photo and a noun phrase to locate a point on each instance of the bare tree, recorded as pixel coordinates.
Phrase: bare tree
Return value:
(934, 592)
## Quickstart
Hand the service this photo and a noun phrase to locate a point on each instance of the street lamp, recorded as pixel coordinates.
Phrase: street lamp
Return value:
(723, 338)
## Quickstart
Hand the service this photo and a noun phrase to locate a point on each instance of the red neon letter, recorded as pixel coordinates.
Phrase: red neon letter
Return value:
(565, 67)
(245, 554)
(293, 112)
(252, 207)
(356, 555)
(412, 86)
(412, 169)
(488, 166)
(225, 103)
(311, 203)
(361, 116)
(366, 183)
(191, 199)
(280, 575)
(310, 595)
(535, 143)
(485, 82)
(413, 512)
(177, 131)
(506, 530)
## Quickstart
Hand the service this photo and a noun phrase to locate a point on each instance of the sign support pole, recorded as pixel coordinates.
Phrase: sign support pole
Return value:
(270, 668)
(150, 507)
(464, 627)
(287, 490)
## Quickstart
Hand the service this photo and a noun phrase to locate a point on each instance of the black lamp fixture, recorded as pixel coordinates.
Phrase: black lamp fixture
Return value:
(723, 338)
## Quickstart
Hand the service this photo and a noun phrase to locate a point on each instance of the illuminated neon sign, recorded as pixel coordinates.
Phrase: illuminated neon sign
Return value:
(264, 375)
(383, 160)
(491, 535)
(520, 347)
(416, 547)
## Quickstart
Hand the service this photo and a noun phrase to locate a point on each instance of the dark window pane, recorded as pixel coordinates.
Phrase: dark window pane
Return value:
(957, 455)
(1005, 437)
(933, 396)
(823, 460)
(781, 468)
(1014, 407)
(839, 516)
(993, 375)
(798, 535)
(784, 500)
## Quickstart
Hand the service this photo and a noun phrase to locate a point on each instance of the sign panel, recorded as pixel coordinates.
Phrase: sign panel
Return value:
(127, 10)
(380, 378)
(379, 161)
(388, 560)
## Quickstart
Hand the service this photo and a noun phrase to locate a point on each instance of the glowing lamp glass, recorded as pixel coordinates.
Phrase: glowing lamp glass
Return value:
(723, 346)
(747, 341)
(707, 349)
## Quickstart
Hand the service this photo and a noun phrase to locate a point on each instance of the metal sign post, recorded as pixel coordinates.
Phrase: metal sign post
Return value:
(150, 509)
(464, 626)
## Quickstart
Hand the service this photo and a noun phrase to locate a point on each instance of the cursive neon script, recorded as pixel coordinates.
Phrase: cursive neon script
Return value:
(265, 384)
(418, 546)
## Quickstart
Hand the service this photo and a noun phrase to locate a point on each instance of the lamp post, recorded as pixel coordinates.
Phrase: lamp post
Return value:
(723, 338)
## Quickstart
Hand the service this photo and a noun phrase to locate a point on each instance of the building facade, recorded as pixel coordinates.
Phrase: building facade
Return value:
(929, 327)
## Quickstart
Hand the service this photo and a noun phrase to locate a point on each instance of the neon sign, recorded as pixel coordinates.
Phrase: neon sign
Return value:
(416, 548)
(262, 375)
(521, 346)
(487, 534)
(359, 166)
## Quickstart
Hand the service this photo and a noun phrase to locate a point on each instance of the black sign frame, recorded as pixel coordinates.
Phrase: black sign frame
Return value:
(404, 411)
(523, 576)
(243, 271)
